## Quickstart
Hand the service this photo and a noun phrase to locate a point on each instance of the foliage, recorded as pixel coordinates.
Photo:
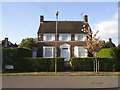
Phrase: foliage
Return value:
(39, 64)
(11, 55)
(82, 64)
(28, 43)
(87, 64)
(93, 43)
(108, 53)
(108, 64)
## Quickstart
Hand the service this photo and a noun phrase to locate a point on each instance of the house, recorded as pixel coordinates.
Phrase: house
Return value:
(70, 40)
(109, 44)
(7, 44)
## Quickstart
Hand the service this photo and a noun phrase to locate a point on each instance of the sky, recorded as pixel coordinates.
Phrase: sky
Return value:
(22, 19)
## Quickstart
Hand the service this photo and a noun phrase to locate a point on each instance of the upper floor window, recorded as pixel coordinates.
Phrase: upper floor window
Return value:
(65, 37)
(49, 37)
(80, 37)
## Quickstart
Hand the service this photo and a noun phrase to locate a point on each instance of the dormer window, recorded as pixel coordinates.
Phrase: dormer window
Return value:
(49, 37)
(64, 37)
(80, 37)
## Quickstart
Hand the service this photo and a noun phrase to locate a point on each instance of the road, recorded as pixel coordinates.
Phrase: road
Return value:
(60, 82)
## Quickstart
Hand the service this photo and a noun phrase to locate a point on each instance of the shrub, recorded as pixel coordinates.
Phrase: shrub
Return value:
(87, 64)
(12, 55)
(39, 64)
(82, 64)
(108, 64)
(108, 53)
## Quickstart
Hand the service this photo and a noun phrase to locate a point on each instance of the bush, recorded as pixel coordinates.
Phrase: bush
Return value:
(82, 64)
(87, 64)
(110, 59)
(108, 64)
(108, 53)
(39, 64)
(12, 55)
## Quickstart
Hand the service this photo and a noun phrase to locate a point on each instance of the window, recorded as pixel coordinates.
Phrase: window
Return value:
(65, 37)
(80, 37)
(34, 54)
(80, 51)
(49, 37)
(48, 51)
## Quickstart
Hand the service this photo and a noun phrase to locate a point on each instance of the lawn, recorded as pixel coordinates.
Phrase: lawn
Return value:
(62, 74)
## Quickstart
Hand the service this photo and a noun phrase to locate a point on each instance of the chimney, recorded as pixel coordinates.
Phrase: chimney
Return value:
(86, 18)
(41, 19)
(6, 42)
(110, 40)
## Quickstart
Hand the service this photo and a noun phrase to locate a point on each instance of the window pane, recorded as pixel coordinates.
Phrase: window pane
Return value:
(82, 52)
(48, 52)
(80, 37)
(64, 37)
(34, 54)
(49, 37)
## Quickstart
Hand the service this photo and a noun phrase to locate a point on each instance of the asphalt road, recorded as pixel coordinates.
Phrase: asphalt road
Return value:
(60, 82)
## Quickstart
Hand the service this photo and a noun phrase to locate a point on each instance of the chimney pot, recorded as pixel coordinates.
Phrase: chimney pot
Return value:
(85, 18)
(41, 19)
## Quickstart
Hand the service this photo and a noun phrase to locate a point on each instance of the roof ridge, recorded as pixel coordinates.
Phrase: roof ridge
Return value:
(63, 21)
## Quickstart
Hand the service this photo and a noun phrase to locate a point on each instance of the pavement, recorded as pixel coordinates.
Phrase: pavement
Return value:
(61, 82)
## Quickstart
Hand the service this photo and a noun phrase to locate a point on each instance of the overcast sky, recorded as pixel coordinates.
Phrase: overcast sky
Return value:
(21, 19)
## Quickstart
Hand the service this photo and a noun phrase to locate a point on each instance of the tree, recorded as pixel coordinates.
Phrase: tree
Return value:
(28, 43)
(93, 45)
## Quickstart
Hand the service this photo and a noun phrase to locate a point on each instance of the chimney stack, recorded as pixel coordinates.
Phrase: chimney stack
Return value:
(41, 19)
(6, 42)
(86, 18)
(110, 40)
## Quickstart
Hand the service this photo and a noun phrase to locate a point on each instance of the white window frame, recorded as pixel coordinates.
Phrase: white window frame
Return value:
(83, 39)
(45, 35)
(76, 52)
(61, 35)
(53, 53)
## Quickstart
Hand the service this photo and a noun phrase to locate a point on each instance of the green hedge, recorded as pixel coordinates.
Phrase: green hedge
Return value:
(39, 64)
(87, 64)
(108, 64)
(11, 55)
(82, 64)
(108, 53)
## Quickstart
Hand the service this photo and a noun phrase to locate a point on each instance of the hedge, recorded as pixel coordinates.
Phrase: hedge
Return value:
(39, 64)
(11, 55)
(82, 64)
(87, 64)
(108, 53)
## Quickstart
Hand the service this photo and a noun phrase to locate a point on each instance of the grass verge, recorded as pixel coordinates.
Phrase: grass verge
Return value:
(62, 74)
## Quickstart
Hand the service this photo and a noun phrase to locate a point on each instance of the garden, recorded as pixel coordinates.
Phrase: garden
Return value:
(22, 61)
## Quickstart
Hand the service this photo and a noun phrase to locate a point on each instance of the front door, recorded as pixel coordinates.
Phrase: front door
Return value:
(65, 52)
